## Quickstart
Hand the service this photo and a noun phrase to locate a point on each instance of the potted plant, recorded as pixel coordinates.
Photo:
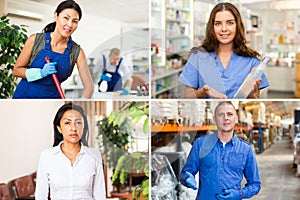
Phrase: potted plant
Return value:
(134, 164)
(115, 139)
(12, 40)
(115, 134)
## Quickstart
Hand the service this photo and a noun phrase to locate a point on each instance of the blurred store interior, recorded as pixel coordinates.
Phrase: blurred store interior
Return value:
(270, 127)
(272, 26)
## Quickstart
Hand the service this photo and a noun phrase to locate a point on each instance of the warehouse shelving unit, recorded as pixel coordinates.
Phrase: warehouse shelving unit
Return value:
(163, 134)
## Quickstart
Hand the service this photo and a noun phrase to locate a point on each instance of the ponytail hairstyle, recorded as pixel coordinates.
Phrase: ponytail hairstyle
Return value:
(67, 4)
(58, 137)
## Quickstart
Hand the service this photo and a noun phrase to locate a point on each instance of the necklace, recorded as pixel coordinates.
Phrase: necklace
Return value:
(71, 154)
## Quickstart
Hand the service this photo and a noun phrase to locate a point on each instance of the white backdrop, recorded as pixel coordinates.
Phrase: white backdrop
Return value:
(25, 130)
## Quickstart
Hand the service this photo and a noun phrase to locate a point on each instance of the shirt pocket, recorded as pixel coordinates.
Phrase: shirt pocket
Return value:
(236, 161)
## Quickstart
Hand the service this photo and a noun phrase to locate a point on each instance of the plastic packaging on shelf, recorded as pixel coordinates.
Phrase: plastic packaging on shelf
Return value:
(163, 181)
(165, 110)
(245, 89)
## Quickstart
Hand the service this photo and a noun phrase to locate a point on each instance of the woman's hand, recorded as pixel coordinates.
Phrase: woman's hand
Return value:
(255, 93)
(203, 92)
(210, 92)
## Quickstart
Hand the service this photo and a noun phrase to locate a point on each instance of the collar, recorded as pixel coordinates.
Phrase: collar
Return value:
(57, 149)
(233, 140)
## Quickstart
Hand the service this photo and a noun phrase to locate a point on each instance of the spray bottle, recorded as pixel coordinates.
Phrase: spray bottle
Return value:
(104, 85)
(249, 82)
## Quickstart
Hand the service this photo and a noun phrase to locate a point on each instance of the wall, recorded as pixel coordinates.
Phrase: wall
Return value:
(92, 31)
(26, 129)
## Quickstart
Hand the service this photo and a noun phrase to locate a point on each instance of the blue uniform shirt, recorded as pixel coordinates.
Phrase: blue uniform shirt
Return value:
(221, 167)
(233, 76)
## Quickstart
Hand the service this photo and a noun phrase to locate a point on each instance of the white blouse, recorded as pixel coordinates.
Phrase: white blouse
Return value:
(84, 180)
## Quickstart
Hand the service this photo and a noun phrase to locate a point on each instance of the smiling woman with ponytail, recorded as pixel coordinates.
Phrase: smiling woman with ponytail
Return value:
(56, 43)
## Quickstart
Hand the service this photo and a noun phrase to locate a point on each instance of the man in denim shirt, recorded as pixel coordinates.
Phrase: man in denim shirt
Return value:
(222, 160)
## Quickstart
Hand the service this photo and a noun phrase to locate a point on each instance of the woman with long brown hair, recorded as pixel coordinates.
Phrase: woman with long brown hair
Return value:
(225, 57)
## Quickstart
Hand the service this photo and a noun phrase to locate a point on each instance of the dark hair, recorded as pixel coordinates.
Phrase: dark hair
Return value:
(240, 47)
(62, 6)
(58, 137)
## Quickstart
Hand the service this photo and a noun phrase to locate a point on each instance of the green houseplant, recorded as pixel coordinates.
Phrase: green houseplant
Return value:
(12, 40)
(138, 163)
(115, 139)
(115, 134)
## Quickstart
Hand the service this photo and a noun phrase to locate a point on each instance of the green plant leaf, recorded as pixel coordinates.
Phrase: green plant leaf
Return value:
(145, 188)
(12, 39)
(118, 168)
(136, 119)
(115, 136)
(146, 125)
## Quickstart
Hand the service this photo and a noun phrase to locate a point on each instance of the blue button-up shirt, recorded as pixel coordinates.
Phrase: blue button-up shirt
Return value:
(221, 167)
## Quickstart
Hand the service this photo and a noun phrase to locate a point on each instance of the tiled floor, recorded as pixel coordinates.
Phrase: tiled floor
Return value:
(279, 180)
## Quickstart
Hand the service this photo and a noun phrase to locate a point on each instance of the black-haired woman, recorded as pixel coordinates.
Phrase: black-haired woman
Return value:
(70, 169)
(57, 44)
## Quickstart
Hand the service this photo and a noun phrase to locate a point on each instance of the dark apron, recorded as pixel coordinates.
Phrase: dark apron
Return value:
(45, 88)
(116, 79)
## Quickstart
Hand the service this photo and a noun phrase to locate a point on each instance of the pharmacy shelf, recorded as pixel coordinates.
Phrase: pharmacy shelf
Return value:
(166, 74)
(178, 21)
(178, 37)
(165, 90)
(179, 9)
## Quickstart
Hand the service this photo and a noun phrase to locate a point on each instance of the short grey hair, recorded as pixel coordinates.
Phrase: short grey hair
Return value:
(222, 103)
(115, 51)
